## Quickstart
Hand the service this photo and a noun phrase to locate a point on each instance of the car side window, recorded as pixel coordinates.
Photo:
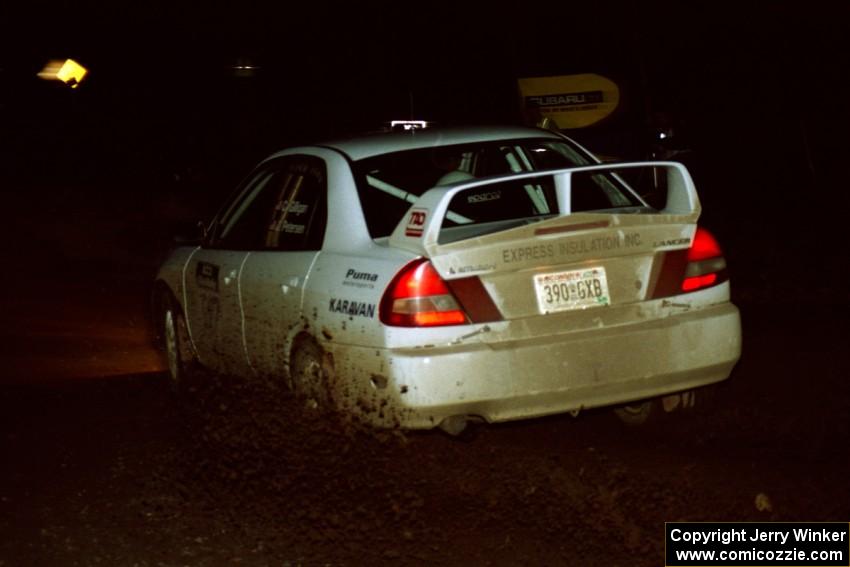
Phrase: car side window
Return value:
(237, 229)
(283, 207)
(298, 214)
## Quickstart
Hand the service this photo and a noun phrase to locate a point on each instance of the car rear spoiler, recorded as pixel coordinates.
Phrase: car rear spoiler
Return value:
(420, 227)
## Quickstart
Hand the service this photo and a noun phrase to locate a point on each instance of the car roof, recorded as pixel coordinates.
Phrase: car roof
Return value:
(369, 145)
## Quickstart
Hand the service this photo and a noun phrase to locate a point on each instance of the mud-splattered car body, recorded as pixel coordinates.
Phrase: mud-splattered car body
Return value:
(420, 278)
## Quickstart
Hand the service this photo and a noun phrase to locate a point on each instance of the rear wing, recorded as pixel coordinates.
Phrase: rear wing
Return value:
(419, 229)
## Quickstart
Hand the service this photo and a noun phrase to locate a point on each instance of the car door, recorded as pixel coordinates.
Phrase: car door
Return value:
(273, 278)
(212, 303)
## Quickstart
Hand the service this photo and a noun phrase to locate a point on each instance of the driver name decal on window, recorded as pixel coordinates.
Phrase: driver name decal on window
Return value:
(290, 214)
(286, 212)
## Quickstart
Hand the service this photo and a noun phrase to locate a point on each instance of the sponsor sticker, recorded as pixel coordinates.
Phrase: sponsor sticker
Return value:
(352, 308)
(206, 275)
(355, 278)
(416, 222)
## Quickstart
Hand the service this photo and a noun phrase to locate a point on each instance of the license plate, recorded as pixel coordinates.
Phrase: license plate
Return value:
(574, 289)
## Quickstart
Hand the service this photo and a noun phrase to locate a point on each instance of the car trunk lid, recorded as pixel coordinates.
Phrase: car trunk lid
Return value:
(559, 260)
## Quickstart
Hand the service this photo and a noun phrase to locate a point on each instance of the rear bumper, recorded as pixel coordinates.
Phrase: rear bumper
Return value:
(567, 371)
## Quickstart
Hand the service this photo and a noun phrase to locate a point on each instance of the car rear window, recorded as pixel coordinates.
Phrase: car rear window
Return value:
(388, 184)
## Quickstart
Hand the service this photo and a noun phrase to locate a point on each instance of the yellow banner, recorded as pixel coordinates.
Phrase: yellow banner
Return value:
(571, 101)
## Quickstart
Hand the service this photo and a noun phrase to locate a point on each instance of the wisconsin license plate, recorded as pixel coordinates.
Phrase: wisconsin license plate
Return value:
(574, 289)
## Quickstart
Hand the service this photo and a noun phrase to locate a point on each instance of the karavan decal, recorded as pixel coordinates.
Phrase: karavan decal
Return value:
(353, 308)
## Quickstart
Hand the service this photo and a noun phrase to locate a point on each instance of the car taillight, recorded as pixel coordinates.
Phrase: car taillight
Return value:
(706, 265)
(418, 297)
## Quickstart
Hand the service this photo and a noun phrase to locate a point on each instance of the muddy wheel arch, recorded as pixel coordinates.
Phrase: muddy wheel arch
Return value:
(312, 375)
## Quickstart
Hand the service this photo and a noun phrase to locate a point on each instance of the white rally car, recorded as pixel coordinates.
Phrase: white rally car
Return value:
(425, 278)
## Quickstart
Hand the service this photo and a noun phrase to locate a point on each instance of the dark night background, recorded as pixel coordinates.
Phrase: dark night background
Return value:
(96, 180)
(164, 126)
(758, 93)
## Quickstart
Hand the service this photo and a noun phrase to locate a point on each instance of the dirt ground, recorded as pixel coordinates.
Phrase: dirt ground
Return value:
(119, 471)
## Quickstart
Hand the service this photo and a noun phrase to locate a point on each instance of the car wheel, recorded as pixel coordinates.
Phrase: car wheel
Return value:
(638, 413)
(176, 345)
(311, 374)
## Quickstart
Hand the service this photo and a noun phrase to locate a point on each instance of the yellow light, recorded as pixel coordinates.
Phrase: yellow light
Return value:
(50, 70)
(69, 72)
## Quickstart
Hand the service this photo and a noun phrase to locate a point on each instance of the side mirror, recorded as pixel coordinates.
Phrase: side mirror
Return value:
(190, 234)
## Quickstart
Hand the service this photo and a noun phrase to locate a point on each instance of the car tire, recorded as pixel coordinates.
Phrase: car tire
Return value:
(311, 374)
(638, 413)
(175, 342)
(646, 411)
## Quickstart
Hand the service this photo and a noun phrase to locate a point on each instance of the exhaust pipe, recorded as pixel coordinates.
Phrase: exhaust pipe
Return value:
(454, 425)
